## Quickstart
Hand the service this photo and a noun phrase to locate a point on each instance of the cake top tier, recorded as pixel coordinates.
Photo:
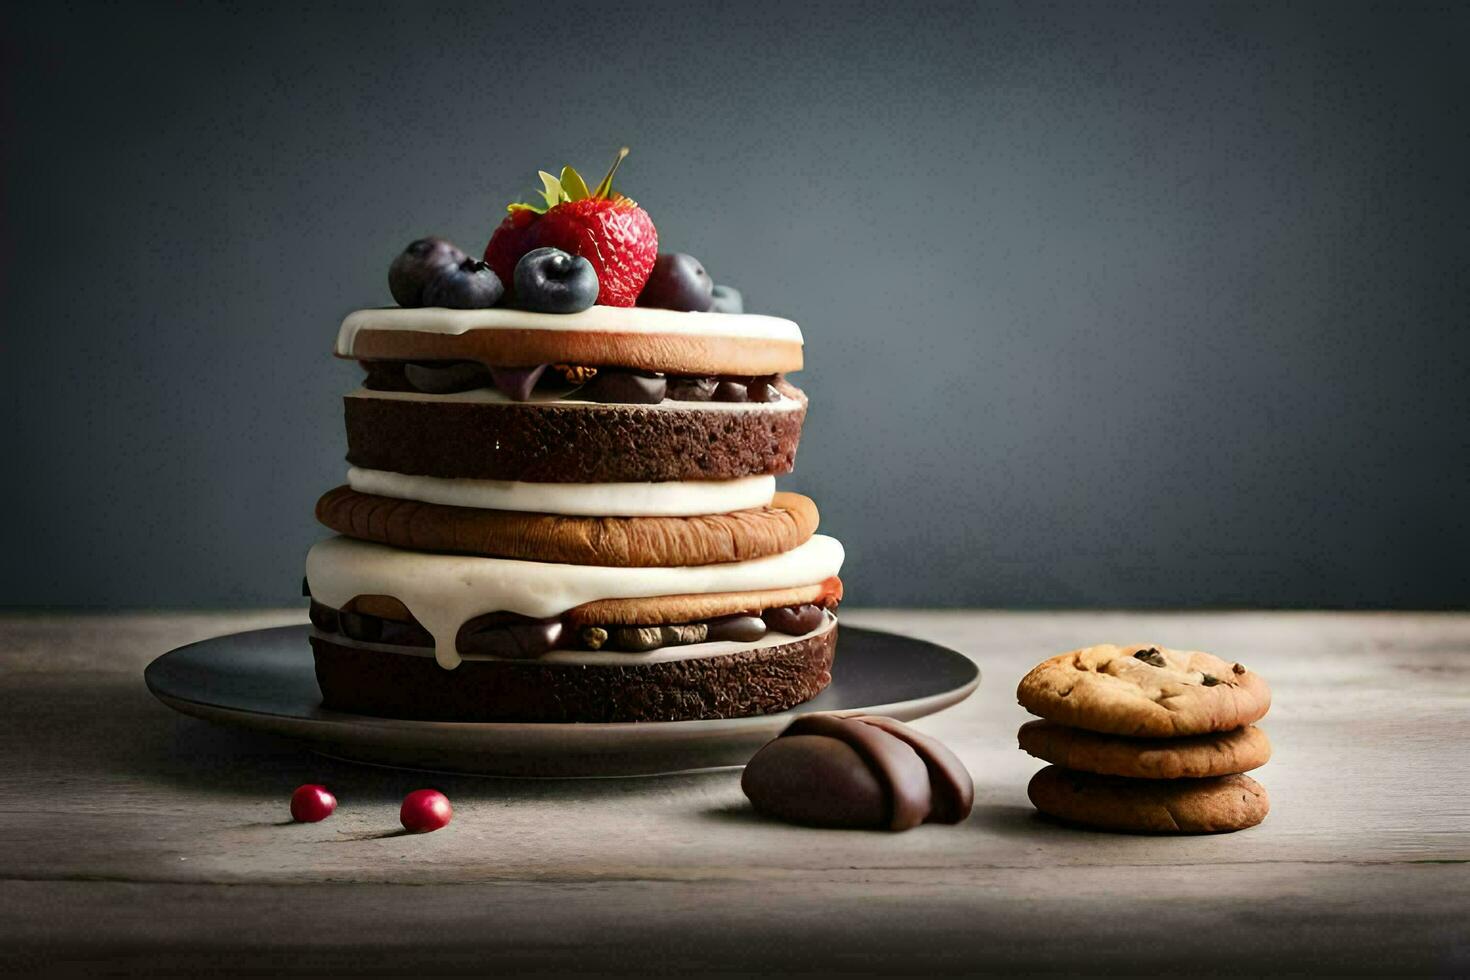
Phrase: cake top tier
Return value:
(576, 278)
(598, 319)
(633, 337)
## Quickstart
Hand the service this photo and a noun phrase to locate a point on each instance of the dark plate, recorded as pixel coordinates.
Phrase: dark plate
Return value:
(264, 680)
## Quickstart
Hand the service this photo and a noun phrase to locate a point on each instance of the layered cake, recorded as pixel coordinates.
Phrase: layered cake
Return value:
(560, 500)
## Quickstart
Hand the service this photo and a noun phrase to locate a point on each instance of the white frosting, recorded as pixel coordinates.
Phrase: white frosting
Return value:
(694, 651)
(443, 592)
(598, 319)
(686, 498)
(493, 396)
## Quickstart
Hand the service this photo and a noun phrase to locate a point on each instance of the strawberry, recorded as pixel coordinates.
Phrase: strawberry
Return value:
(604, 227)
(510, 241)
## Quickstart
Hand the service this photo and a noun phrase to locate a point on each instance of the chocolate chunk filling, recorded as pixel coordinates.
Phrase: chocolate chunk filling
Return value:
(793, 620)
(763, 390)
(736, 629)
(620, 386)
(625, 388)
(731, 391)
(692, 389)
(442, 379)
(516, 383)
(502, 634)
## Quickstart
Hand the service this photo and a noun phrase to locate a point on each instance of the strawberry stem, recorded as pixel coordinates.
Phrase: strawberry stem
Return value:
(605, 186)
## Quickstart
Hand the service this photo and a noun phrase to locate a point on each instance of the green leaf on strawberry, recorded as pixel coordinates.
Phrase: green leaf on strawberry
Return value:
(573, 185)
(551, 189)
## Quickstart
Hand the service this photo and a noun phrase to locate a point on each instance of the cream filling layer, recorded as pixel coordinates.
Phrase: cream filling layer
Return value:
(493, 396)
(598, 319)
(606, 658)
(443, 592)
(686, 498)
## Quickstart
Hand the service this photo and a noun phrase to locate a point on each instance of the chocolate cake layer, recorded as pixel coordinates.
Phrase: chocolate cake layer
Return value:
(620, 541)
(410, 685)
(552, 443)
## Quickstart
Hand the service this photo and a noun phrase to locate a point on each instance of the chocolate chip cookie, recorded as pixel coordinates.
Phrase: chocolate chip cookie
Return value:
(1146, 691)
(1194, 756)
(1156, 806)
(626, 542)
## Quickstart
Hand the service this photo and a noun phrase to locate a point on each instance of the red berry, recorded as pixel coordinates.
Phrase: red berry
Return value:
(616, 236)
(607, 229)
(311, 803)
(511, 240)
(425, 810)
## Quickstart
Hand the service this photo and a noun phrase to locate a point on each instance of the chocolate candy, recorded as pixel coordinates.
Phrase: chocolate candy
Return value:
(692, 389)
(367, 629)
(396, 633)
(323, 617)
(444, 379)
(731, 391)
(625, 388)
(507, 635)
(869, 772)
(516, 383)
(763, 390)
(794, 620)
(737, 628)
(385, 376)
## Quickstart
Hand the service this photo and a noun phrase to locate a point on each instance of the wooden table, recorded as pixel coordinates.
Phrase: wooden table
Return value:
(136, 839)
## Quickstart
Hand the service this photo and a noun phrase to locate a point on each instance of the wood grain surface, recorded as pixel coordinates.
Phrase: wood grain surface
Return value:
(136, 840)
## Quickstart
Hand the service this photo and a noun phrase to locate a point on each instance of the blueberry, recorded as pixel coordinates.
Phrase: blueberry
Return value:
(416, 265)
(548, 280)
(471, 285)
(727, 299)
(678, 282)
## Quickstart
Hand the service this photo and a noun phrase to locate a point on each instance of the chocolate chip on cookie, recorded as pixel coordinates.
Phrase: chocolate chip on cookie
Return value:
(1193, 756)
(1150, 806)
(1144, 690)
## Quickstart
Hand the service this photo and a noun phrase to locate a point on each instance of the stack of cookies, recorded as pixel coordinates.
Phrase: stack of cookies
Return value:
(1146, 740)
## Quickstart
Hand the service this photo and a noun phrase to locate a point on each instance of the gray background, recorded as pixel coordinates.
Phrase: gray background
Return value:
(1104, 304)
